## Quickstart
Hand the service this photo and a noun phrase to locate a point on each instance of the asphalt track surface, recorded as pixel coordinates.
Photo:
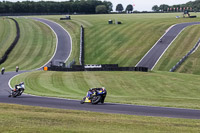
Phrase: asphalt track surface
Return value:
(151, 58)
(64, 42)
(26, 99)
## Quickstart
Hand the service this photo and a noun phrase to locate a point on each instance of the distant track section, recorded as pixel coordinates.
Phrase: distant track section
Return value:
(151, 58)
(64, 42)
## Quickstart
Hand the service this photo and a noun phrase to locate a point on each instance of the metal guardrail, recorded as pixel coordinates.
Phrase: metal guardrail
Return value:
(81, 58)
(185, 57)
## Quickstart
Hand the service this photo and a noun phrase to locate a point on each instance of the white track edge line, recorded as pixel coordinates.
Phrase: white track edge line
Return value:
(56, 41)
(155, 44)
(65, 31)
(56, 45)
(170, 45)
(167, 48)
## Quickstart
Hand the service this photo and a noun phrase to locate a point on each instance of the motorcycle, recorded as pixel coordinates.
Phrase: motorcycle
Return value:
(94, 96)
(19, 89)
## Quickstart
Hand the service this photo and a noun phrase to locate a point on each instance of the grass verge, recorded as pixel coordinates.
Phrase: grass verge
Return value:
(23, 119)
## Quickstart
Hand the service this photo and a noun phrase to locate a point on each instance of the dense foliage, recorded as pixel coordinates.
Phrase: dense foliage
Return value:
(72, 6)
(101, 9)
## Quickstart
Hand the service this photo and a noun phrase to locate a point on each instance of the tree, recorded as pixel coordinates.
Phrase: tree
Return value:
(71, 6)
(101, 9)
(155, 8)
(163, 7)
(129, 8)
(119, 8)
(108, 5)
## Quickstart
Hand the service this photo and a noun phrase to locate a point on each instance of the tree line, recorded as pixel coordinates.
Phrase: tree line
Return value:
(72, 6)
(120, 8)
(191, 6)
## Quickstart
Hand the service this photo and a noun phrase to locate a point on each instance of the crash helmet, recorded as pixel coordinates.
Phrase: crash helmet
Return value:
(21, 82)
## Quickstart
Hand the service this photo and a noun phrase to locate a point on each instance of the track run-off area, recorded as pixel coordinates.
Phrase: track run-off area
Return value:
(62, 53)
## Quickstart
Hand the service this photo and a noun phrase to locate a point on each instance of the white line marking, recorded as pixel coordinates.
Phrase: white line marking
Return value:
(154, 45)
(56, 45)
(56, 41)
(170, 45)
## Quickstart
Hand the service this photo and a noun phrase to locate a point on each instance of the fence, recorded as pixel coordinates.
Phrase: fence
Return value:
(5, 56)
(185, 57)
(81, 58)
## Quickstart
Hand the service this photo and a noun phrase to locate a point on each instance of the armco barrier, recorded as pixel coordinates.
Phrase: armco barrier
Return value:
(5, 56)
(185, 57)
(81, 58)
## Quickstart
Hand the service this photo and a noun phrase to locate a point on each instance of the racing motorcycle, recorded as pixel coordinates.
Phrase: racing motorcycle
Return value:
(95, 95)
(17, 91)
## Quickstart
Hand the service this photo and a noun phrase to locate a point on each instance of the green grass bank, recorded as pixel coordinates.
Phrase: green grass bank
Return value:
(7, 34)
(35, 47)
(23, 119)
(127, 43)
(123, 44)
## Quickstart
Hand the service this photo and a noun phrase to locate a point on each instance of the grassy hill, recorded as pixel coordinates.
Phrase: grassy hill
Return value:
(7, 34)
(34, 48)
(123, 44)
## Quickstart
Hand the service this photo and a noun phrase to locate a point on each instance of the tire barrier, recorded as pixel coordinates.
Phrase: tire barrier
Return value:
(66, 18)
(185, 57)
(81, 58)
(104, 67)
(5, 56)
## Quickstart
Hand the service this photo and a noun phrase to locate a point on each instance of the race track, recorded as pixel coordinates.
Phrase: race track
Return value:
(64, 42)
(151, 58)
(75, 105)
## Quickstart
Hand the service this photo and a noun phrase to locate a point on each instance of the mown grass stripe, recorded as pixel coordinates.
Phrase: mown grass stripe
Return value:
(97, 36)
(32, 44)
(35, 47)
(7, 35)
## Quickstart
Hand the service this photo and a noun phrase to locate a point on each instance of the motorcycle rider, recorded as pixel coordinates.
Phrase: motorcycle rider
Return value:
(104, 96)
(20, 87)
(2, 70)
(91, 92)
